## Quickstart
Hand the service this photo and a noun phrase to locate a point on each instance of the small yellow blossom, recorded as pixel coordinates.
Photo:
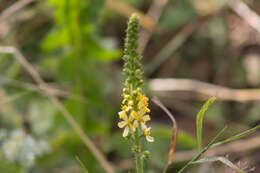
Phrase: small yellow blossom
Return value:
(130, 103)
(126, 97)
(126, 123)
(134, 114)
(122, 114)
(147, 132)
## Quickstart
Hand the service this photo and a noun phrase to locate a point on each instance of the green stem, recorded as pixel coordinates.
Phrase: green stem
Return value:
(138, 155)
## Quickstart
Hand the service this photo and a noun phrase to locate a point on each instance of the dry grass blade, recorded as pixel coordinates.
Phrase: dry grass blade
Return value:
(174, 132)
(246, 13)
(203, 89)
(32, 87)
(36, 76)
(154, 12)
(14, 8)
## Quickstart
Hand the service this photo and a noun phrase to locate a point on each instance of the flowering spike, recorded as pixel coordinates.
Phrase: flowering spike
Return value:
(135, 104)
(134, 107)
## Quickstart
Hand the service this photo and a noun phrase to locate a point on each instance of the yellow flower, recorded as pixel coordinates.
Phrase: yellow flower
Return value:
(126, 108)
(122, 114)
(142, 121)
(126, 123)
(147, 132)
(126, 97)
(133, 114)
(135, 126)
(130, 103)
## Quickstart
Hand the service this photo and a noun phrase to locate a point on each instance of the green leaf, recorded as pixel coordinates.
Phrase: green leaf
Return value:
(221, 159)
(238, 136)
(203, 151)
(199, 121)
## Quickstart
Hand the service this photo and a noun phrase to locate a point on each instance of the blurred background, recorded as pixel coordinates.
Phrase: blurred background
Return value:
(62, 58)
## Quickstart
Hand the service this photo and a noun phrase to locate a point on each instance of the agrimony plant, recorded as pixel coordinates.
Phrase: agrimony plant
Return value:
(133, 115)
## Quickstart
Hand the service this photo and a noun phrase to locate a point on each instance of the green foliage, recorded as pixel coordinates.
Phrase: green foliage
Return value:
(199, 121)
(238, 136)
(75, 38)
(78, 56)
(202, 151)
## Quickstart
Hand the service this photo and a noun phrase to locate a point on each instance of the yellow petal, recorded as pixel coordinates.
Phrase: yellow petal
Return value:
(147, 110)
(133, 114)
(128, 108)
(146, 118)
(123, 107)
(135, 126)
(146, 131)
(143, 127)
(126, 131)
(121, 124)
(122, 114)
(130, 103)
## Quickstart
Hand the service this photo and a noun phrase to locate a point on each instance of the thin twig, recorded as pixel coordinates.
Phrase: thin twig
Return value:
(122, 8)
(13, 9)
(242, 10)
(154, 12)
(36, 76)
(204, 89)
(33, 87)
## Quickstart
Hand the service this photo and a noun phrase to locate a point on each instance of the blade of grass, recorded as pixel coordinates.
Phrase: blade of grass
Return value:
(221, 159)
(238, 136)
(199, 121)
(83, 167)
(174, 132)
(203, 151)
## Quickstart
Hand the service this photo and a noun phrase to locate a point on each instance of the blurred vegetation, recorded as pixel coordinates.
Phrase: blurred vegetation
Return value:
(77, 45)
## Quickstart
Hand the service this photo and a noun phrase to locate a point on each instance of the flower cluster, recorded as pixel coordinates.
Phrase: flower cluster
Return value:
(133, 114)
(135, 104)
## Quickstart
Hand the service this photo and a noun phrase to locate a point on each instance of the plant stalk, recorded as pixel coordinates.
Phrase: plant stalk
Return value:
(138, 155)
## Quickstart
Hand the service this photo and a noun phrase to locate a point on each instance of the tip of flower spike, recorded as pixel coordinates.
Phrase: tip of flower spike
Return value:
(134, 17)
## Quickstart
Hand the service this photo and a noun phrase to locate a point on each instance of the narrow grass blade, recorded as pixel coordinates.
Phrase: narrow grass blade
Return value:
(220, 159)
(199, 121)
(174, 132)
(83, 167)
(203, 151)
(238, 136)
